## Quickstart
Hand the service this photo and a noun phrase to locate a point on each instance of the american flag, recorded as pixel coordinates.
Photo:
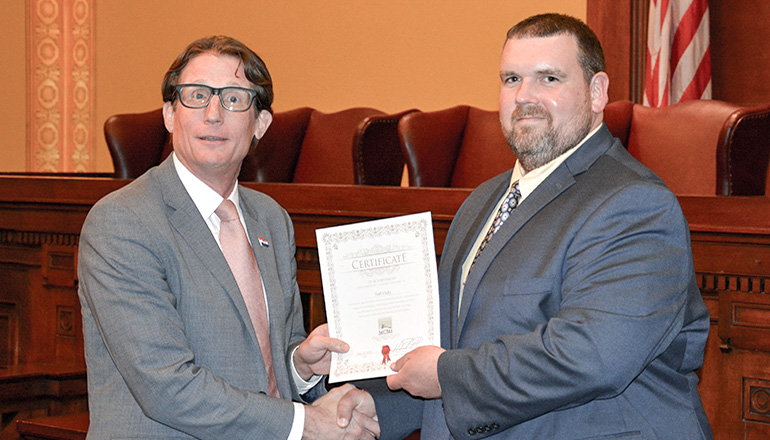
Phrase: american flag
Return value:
(678, 52)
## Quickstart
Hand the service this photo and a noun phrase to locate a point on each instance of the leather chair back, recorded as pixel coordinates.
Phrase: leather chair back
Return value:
(459, 147)
(617, 117)
(275, 156)
(326, 155)
(301, 146)
(137, 142)
(745, 158)
(377, 155)
(700, 147)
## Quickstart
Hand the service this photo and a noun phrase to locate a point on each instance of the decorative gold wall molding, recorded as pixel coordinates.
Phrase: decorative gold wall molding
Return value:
(60, 85)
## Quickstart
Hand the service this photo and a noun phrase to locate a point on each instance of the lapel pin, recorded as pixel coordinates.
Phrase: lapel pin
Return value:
(263, 242)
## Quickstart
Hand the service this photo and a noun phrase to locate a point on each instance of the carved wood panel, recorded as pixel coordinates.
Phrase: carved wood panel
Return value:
(9, 331)
(733, 273)
(39, 308)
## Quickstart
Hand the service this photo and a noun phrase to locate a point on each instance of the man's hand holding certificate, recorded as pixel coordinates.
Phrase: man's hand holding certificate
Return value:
(381, 292)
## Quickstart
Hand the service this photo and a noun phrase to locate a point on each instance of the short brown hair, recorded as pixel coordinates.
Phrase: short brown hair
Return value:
(590, 53)
(253, 66)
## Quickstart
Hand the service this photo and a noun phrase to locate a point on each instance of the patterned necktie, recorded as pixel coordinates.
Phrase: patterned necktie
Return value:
(511, 201)
(243, 264)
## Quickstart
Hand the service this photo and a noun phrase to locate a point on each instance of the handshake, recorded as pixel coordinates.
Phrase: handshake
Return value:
(344, 412)
(347, 412)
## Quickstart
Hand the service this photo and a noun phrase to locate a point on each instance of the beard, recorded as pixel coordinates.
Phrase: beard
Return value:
(536, 146)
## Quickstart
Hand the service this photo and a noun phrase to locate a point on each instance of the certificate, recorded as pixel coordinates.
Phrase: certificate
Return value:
(380, 291)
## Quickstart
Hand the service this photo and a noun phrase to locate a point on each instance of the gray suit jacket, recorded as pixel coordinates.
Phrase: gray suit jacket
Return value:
(169, 346)
(581, 319)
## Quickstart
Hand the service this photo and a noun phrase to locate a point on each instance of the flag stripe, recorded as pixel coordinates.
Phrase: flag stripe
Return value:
(649, 89)
(678, 52)
(700, 80)
(660, 15)
(686, 31)
(692, 60)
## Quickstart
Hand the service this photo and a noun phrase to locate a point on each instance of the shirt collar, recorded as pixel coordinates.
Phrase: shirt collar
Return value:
(205, 198)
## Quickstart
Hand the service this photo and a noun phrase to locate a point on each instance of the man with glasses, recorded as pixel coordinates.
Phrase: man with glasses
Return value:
(184, 337)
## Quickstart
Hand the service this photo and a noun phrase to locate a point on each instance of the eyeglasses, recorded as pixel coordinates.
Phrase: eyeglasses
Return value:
(235, 99)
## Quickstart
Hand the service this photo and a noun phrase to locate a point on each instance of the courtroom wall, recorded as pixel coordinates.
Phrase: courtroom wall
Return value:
(330, 55)
(13, 73)
(740, 59)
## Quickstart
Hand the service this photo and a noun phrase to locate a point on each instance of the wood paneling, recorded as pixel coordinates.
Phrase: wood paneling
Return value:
(28, 391)
(740, 59)
(621, 26)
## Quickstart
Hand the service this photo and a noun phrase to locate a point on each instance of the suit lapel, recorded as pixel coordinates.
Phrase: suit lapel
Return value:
(546, 192)
(472, 223)
(556, 183)
(185, 218)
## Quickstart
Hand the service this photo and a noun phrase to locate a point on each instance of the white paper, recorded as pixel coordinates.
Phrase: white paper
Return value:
(380, 291)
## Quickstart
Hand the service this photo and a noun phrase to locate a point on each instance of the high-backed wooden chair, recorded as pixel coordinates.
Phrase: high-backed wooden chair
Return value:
(301, 146)
(459, 147)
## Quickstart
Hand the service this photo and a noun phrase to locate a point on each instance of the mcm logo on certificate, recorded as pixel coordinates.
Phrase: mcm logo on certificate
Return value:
(380, 291)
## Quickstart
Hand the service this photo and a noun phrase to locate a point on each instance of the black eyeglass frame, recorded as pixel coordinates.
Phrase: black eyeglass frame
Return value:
(217, 92)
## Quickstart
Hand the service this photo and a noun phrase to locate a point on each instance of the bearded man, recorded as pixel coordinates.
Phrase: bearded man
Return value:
(569, 305)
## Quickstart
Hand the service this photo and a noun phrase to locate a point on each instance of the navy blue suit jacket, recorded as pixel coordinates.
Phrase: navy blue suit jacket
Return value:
(581, 319)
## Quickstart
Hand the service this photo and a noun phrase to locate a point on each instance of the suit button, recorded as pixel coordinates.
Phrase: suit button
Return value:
(495, 426)
(471, 431)
(479, 430)
(487, 428)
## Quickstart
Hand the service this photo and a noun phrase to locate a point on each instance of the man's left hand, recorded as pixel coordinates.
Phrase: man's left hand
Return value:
(313, 356)
(418, 372)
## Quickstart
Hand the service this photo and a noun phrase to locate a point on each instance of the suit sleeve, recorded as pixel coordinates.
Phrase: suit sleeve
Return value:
(123, 262)
(623, 285)
(398, 413)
